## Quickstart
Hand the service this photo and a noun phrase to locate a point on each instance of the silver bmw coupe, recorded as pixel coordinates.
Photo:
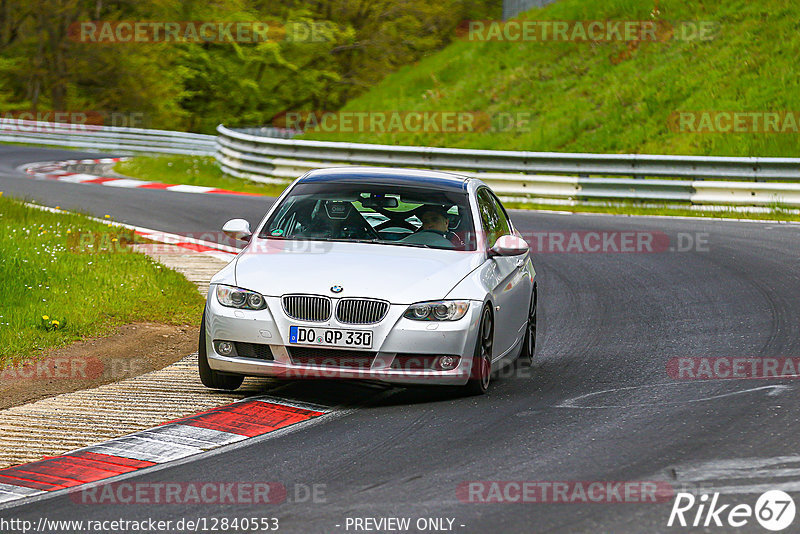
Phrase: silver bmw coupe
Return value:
(394, 275)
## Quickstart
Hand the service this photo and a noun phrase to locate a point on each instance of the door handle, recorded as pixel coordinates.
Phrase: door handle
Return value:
(520, 262)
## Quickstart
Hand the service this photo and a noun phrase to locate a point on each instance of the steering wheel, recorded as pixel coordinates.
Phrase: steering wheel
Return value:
(449, 235)
(361, 231)
(455, 239)
(401, 223)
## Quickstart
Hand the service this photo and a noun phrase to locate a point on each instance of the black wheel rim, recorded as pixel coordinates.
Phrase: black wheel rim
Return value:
(486, 350)
(532, 326)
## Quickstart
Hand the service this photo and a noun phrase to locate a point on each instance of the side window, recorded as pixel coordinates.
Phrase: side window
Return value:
(504, 226)
(490, 220)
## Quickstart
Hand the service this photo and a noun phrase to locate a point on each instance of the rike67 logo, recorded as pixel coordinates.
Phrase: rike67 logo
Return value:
(774, 510)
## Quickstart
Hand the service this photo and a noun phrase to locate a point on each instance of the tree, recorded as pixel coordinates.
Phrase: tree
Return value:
(353, 44)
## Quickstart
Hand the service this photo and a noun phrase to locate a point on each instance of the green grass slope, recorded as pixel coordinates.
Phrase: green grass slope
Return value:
(614, 97)
(64, 277)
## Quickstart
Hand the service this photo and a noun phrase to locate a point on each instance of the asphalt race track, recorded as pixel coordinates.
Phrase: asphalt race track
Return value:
(598, 404)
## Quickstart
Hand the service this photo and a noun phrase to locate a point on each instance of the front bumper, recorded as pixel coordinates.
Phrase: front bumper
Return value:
(393, 335)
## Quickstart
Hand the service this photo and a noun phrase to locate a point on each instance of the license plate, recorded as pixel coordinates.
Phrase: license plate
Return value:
(330, 337)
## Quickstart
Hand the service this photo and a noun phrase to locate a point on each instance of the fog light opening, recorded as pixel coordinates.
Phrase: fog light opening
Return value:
(225, 348)
(447, 363)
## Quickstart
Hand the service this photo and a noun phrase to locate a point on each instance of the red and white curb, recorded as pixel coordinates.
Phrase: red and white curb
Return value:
(191, 244)
(56, 170)
(166, 443)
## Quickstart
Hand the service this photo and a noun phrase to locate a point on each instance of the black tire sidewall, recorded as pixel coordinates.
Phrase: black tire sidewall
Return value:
(474, 385)
(528, 351)
(209, 377)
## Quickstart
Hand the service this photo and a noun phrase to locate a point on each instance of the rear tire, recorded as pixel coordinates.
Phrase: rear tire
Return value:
(529, 344)
(209, 377)
(481, 372)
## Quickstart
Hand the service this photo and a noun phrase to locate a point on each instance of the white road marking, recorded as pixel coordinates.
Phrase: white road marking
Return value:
(293, 403)
(56, 170)
(137, 447)
(77, 178)
(182, 188)
(573, 402)
(738, 468)
(788, 487)
(12, 493)
(194, 436)
(125, 182)
(719, 475)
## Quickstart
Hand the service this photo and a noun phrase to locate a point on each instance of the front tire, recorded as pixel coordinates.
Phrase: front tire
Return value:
(481, 373)
(209, 377)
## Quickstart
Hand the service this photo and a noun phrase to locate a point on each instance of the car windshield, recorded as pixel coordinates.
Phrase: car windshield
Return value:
(386, 214)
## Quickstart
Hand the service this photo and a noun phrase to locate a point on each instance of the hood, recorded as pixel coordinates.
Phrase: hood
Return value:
(398, 274)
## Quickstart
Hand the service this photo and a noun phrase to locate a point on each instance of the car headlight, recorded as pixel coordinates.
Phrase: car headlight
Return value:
(234, 297)
(440, 310)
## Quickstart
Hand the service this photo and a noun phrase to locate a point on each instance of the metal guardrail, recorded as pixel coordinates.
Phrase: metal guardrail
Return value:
(512, 8)
(548, 175)
(269, 155)
(270, 131)
(105, 137)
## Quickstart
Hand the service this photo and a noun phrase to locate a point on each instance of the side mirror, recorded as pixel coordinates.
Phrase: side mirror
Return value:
(509, 245)
(237, 229)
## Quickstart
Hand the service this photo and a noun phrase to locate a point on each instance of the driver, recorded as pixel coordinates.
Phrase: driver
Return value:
(434, 218)
(434, 230)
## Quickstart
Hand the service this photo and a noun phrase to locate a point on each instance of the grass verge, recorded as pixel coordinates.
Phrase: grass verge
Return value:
(64, 277)
(191, 170)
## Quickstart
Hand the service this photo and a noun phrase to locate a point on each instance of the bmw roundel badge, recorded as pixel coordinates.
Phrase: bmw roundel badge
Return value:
(337, 289)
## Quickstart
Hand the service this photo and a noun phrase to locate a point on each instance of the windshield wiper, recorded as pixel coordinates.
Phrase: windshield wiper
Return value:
(331, 239)
(418, 245)
(345, 240)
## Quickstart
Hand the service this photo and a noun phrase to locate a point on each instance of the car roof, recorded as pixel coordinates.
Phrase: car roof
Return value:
(388, 176)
